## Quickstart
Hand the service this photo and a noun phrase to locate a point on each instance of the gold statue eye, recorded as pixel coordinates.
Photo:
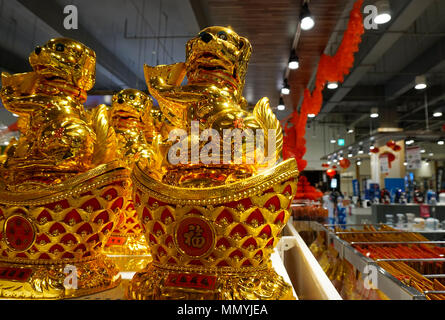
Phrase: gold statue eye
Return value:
(60, 47)
(222, 35)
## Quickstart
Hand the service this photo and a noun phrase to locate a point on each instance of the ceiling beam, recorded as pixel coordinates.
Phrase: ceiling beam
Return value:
(402, 22)
(432, 58)
(51, 13)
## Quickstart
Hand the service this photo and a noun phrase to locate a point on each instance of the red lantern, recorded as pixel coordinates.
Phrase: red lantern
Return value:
(331, 173)
(334, 167)
(397, 148)
(375, 150)
(325, 165)
(391, 144)
(345, 163)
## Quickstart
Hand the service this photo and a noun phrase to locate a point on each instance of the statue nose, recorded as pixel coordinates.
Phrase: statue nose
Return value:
(38, 50)
(205, 36)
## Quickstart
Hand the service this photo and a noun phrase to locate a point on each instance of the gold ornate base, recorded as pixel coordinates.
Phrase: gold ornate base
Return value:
(57, 281)
(160, 283)
(130, 253)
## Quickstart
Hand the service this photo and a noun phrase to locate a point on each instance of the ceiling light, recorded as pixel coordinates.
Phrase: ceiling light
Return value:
(405, 163)
(360, 151)
(350, 131)
(374, 113)
(350, 155)
(285, 90)
(294, 62)
(431, 154)
(420, 83)
(281, 105)
(359, 163)
(372, 147)
(437, 114)
(332, 85)
(383, 12)
(422, 151)
(311, 115)
(329, 162)
(306, 19)
(333, 141)
(440, 142)
(409, 142)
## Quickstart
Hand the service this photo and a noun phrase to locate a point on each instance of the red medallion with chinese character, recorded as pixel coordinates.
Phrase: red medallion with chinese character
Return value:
(194, 236)
(19, 233)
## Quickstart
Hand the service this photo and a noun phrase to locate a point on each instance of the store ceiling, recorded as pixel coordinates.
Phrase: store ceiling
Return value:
(128, 33)
(411, 44)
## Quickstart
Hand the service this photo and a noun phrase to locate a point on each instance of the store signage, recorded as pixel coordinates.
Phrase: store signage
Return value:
(384, 164)
(414, 158)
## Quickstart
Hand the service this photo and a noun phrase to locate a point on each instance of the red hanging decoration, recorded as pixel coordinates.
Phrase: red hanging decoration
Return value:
(330, 69)
(397, 148)
(325, 165)
(375, 150)
(331, 173)
(391, 144)
(391, 157)
(306, 191)
(345, 163)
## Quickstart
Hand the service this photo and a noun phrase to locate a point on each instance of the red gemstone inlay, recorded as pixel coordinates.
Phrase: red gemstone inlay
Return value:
(73, 215)
(256, 215)
(44, 215)
(240, 230)
(275, 202)
(92, 203)
(280, 217)
(225, 214)
(110, 193)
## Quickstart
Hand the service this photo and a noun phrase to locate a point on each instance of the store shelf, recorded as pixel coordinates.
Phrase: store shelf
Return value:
(385, 282)
(308, 278)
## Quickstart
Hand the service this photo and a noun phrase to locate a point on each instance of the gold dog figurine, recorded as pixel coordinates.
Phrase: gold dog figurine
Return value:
(216, 65)
(57, 139)
(61, 190)
(211, 227)
(136, 124)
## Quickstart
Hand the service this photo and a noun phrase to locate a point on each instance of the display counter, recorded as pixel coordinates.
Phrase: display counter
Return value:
(380, 210)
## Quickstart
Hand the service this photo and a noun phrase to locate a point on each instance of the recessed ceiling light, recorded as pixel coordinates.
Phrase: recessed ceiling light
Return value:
(420, 82)
(311, 115)
(437, 114)
(332, 85)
